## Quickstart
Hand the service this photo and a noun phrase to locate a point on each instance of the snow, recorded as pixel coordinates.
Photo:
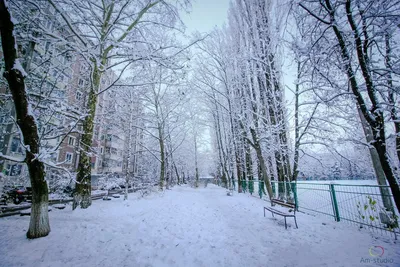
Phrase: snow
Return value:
(28, 211)
(188, 227)
(18, 66)
(11, 158)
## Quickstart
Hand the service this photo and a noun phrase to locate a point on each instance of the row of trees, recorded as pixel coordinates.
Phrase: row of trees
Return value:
(241, 78)
(344, 56)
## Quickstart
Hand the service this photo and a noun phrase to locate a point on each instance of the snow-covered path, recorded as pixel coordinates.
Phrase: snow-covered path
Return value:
(187, 227)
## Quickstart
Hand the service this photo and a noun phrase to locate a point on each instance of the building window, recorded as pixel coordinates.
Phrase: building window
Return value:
(68, 157)
(58, 93)
(13, 170)
(81, 82)
(78, 95)
(63, 59)
(60, 78)
(101, 150)
(16, 146)
(71, 140)
(49, 25)
(47, 46)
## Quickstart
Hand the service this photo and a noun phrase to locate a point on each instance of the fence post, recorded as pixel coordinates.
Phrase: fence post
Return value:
(296, 200)
(260, 188)
(273, 189)
(334, 202)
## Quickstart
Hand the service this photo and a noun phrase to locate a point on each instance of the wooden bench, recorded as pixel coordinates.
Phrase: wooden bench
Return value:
(292, 206)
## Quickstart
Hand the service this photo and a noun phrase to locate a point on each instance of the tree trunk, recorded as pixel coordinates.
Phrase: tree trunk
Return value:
(39, 225)
(249, 163)
(177, 174)
(162, 157)
(39, 221)
(261, 160)
(387, 168)
(83, 187)
(128, 151)
(296, 127)
(238, 171)
(195, 162)
(380, 174)
(197, 177)
(168, 171)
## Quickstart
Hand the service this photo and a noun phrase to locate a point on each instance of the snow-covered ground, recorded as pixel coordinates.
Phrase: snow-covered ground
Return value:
(189, 227)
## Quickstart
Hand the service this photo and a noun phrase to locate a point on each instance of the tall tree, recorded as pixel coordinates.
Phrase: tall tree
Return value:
(14, 73)
(350, 25)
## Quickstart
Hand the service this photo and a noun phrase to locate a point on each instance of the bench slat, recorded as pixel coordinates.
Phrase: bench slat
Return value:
(279, 212)
(282, 203)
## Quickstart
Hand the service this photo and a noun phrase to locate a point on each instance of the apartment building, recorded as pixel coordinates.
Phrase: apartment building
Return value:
(57, 85)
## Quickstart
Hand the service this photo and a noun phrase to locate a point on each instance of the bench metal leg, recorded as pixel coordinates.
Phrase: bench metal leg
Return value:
(295, 222)
(264, 212)
(272, 214)
(285, 223)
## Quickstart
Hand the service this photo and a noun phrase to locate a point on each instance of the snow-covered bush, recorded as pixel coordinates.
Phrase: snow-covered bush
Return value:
(15, 180)
(111, 181)
(60, 183)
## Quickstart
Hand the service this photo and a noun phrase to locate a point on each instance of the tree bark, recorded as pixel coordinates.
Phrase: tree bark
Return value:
(162, 157)
(195, 161)
(261, 160)
(376, 163)
(83, 187)
(39, 221)
(177, 174)
(296, 127)
(128, 149)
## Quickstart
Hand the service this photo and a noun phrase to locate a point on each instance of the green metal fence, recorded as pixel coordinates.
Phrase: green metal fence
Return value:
(367, 206)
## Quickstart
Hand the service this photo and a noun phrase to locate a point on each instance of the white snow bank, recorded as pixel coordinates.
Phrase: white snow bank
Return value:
(188, 227)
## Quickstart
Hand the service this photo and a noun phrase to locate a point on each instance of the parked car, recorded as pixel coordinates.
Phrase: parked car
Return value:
(16, 194)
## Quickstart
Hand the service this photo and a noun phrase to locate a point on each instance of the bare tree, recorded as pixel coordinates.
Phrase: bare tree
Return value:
(350, 25)
(14, 73)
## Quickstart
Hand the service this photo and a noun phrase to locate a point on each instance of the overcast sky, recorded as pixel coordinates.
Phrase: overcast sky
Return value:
(205, 15)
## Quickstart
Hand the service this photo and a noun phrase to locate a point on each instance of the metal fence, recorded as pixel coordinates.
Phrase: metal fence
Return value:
(367, 206)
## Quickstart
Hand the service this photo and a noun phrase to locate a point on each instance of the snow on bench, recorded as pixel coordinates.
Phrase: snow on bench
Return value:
(273, 211)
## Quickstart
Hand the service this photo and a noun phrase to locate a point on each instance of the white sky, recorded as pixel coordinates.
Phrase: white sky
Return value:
(205, 15)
